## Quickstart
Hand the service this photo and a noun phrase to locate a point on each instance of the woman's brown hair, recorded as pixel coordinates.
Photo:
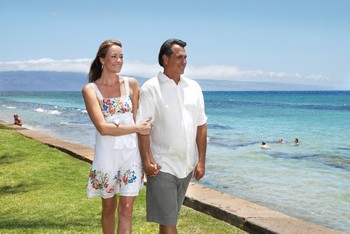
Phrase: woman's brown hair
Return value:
(96, 65)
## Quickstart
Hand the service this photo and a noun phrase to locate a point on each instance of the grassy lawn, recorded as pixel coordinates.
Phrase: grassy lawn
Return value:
(42, 190)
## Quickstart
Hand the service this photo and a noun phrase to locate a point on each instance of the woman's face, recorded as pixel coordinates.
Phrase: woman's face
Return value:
(113, 61)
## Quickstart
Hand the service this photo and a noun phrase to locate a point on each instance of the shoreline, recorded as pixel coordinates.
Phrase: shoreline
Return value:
(243, 214)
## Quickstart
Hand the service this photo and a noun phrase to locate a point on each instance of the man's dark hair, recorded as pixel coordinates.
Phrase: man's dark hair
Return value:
(166, 48)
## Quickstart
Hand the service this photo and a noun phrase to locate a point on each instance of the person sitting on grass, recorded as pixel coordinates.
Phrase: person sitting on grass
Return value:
(17, 120)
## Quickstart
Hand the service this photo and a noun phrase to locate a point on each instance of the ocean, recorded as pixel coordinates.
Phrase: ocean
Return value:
(310, 181)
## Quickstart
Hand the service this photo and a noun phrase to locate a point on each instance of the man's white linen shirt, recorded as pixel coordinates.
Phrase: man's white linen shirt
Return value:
(176, 111)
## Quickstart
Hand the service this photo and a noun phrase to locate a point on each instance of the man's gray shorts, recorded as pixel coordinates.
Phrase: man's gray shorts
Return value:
(165, 194)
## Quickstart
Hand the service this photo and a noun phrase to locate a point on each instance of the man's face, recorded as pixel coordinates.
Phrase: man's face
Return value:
(176, 62)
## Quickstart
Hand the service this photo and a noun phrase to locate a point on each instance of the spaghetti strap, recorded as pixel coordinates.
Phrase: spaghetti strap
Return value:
(97, 90)
(126, 84)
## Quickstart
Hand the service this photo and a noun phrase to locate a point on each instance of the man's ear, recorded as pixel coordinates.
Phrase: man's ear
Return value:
(165, 59)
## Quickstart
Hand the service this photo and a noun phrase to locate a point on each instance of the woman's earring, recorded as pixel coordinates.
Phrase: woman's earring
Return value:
(102, 67)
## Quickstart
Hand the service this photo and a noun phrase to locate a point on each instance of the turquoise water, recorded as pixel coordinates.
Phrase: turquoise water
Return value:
(309, 181)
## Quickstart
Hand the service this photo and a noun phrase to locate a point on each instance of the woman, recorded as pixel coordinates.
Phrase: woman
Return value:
(111, 102)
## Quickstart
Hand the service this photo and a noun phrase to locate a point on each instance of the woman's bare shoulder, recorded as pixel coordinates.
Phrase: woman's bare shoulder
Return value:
(87, 88)
(133, 82)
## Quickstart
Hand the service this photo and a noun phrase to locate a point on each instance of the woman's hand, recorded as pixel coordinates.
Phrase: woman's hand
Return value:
(151, 169)
(144, 127)
(155, 167)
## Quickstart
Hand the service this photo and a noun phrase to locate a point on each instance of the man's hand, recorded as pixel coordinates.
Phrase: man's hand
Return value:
(151, 169)
(199, 171)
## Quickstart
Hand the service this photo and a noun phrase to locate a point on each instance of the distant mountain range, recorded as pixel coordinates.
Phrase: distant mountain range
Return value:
(73, 81)
(41, 81)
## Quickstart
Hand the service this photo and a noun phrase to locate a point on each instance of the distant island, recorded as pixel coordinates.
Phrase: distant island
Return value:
(74, 81)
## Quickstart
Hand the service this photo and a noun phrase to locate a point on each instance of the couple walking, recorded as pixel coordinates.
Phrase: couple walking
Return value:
(159, 129)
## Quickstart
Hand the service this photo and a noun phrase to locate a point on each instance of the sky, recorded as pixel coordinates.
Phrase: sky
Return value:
(295, 41)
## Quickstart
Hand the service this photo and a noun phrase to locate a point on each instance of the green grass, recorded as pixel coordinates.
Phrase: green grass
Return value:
(42, 190)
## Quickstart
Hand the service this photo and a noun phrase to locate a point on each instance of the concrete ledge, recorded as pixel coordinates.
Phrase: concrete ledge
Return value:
(246, 215)
(243, 214)
(81, 152)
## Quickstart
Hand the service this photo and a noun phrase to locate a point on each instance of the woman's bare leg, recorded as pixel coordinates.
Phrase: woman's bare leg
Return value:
(109, 206)
(125, 208)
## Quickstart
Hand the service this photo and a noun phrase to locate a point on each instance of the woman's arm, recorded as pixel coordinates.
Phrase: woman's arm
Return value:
(104, 128)
(134, 94)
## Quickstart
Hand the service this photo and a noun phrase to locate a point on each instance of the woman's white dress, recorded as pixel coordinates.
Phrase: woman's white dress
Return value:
(117, 166)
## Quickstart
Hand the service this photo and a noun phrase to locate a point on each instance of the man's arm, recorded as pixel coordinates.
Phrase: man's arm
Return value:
(149, 165)
(201, 140)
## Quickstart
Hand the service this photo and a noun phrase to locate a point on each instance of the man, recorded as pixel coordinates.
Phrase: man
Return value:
(176, 149)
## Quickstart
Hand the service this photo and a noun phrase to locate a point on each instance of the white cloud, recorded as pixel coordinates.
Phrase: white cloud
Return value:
(228, 72)
(47, 64)
(137, 68)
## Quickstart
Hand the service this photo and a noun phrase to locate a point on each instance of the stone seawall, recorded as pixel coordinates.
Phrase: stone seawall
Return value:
(243, 214)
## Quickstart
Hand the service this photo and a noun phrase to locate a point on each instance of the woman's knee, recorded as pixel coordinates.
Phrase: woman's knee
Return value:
(109, 206)
(126, 207)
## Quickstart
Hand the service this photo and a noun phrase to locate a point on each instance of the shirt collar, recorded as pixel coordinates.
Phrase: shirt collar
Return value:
(164, 78)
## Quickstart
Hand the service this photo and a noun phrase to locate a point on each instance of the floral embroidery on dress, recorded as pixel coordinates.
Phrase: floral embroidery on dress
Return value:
(129, 177)
(99, 180)
(112, 106)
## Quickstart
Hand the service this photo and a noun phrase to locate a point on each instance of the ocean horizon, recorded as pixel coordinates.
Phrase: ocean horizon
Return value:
(310, 181)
